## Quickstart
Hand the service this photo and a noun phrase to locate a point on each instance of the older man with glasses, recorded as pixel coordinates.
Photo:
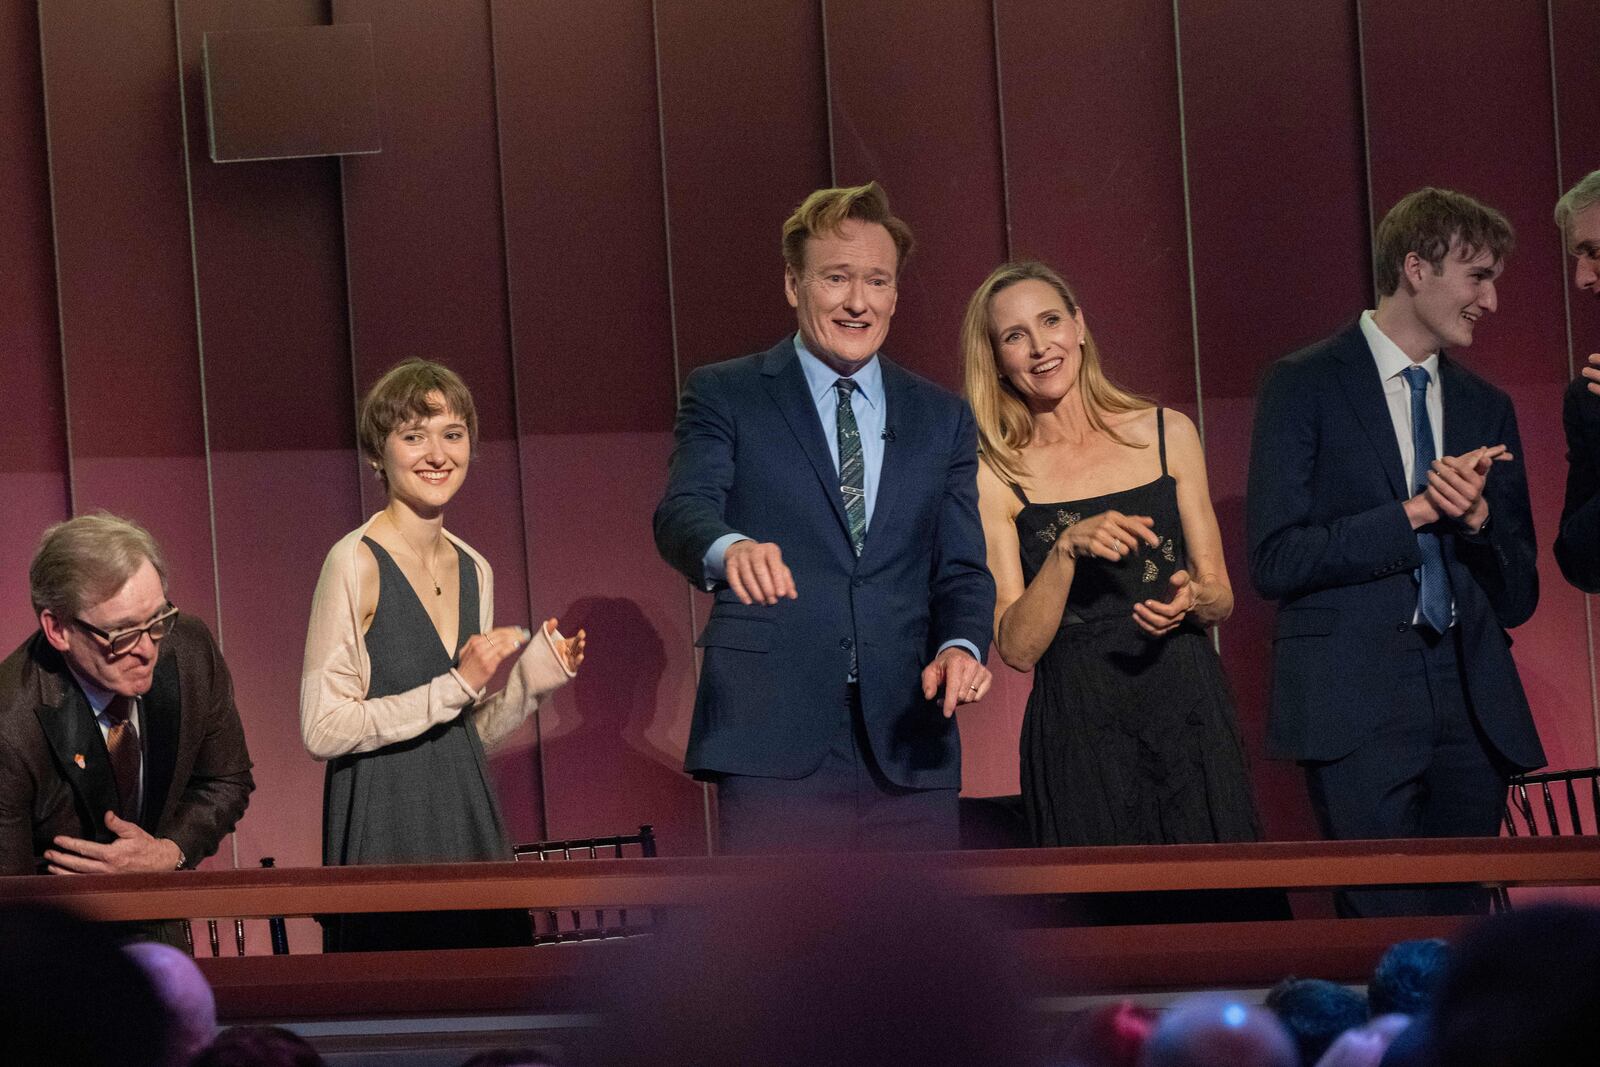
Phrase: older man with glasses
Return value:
(120, 746)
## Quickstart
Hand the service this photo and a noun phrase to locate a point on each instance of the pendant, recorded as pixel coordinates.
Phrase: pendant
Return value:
(437, 591)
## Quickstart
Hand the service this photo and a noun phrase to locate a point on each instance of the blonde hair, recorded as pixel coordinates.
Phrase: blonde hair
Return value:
(86, 560)
(825, 210)
(1005, 425)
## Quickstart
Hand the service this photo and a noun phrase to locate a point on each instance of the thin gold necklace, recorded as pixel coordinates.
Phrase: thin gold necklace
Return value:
(426, 565)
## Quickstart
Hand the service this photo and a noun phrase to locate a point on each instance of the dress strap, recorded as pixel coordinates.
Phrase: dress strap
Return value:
(1161, 438)
(1017, 489)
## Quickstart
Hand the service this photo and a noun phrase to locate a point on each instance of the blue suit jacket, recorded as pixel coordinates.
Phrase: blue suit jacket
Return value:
(1329, 541)
(750, 457)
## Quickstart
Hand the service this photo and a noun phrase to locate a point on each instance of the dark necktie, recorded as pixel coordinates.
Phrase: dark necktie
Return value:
(1433, 580)
(122, 742)
(852, 489)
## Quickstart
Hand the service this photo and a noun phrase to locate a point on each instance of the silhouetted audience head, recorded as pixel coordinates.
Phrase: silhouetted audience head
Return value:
(848, 962)
(1315, 1012)
(258, 1046)
(1406, 977)
(55, 969)
(1522, 989)
(185, 992)
(1213, 1030)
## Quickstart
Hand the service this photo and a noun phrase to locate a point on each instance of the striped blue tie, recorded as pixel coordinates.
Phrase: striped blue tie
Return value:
(852, 490)
(1433, 580)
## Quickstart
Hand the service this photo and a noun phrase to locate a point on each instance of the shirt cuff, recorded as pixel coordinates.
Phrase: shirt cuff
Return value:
(711, 564)
(963, 644)
(473, 695)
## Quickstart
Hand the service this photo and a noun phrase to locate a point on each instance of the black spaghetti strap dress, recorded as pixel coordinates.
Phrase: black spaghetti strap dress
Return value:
(1128, 739)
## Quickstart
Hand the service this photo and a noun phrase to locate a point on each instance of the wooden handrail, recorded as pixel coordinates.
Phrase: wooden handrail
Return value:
(671, 881)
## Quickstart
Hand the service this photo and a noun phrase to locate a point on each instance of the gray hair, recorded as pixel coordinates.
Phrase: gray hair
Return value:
(86, 559)
(1580, 197)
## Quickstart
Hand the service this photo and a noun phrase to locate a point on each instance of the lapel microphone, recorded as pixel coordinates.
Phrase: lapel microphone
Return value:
(888, 434)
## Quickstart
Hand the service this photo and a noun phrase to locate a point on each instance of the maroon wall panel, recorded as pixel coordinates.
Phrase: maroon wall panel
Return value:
(1094, 187)
(1280, 259)
(270, 270)
(425, 247)
(1094, 175)
(125, 277)
(892, 67)
(33, 464)
(1522, 348)
(1575, 31)
(587, 263)
(742, 148)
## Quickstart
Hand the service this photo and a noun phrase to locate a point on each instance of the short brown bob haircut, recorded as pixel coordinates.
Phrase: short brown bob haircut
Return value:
(411, 391)
(824, 212)
(1431, 222)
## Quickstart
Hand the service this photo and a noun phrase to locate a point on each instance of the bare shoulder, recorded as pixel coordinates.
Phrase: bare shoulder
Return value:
(994, 495)
(1137, 428)
(1185, 455)
(1180, 428)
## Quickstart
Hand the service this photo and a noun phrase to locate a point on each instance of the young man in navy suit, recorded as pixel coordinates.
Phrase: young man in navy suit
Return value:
(1388, 515)
(828, 498)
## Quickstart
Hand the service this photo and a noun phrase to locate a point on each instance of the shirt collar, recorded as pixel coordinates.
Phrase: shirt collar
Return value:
(98, 698)
(820, 377)
(1388, 356)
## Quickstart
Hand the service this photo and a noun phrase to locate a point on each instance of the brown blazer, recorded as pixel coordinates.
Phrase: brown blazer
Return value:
(55, 774)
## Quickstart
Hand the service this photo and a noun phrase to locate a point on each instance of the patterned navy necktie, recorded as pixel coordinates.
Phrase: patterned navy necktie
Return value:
(852, 488)
(1433, 580)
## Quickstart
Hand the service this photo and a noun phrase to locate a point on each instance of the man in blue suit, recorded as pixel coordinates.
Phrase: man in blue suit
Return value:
(829, 499)
(1388, 515)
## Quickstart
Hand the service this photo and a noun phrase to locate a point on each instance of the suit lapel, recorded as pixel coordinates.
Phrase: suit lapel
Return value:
(80, 753)
(1460, 418)
(161, 719)
(896, 454)
(1364, 389)
(786, 384)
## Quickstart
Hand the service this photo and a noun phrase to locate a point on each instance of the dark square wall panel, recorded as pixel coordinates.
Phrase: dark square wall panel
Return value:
(290, 91)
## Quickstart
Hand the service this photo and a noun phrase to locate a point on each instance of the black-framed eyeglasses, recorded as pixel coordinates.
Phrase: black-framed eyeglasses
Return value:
(121, 642)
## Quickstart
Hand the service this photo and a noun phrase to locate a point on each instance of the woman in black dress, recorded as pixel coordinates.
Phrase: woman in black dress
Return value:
(1109, 568)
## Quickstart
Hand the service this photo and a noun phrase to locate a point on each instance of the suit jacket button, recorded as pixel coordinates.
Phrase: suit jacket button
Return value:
(846, 644)
(1403, 627)
(858, 582)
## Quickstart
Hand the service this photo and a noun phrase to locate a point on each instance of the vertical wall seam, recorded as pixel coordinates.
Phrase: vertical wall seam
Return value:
(1188, 220)
(55, 252)
(1572, 354)
(672, 325)
(827, 92)
(1000, 118)
(1366, 147)
(199, 345)
(516, 395)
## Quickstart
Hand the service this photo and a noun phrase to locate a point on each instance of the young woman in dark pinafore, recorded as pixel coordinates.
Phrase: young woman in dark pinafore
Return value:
(400, 650)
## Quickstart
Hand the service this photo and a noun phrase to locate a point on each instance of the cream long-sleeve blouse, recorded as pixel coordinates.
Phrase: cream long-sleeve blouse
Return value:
(336, 718)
